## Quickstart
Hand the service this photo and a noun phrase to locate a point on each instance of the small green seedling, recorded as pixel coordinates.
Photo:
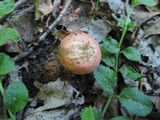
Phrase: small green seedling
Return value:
(90, 113)
(133, 100)
(6, 7)
(15, 97)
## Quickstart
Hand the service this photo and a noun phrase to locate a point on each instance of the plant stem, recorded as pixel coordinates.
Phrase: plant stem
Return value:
(107, 104)
(1, 88)
(125, 28)
(96, 9)
(11, 115)
(124, 31)
(2, 93)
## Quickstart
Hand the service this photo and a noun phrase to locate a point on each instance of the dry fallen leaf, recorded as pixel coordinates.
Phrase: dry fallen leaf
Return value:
(15, 74)
(152, 28)
(13, 47)
(140, 17)
(46, 7)
(156, 101)
(55, 96)
(115, 5)
(153, 55)
(98, 29)
(24, 24)
(61, 34)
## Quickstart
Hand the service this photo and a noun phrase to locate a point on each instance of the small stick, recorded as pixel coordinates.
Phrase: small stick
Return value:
(31, 49)
(19, 3)
(24, 54)
(56, 21)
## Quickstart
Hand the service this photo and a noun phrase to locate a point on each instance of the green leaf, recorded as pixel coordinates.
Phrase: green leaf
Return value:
(105, 77)
(120, 118)
(6, 7)
(132, 54)
(15, 97)
(135, 101)
(6, 64)
(134, 2)
(107, 58)
(130, 73)
(87, 114)
(143, 2)
(111, 45)
(97, 114)
(90, 113)
(122, 22)
(8, 34)
(131, 25)
(1, 88)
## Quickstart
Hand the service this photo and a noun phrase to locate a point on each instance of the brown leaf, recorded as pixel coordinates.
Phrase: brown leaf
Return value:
(45, 6)
(140, 17)
(12, 47)
(152, 29)
(61, 34)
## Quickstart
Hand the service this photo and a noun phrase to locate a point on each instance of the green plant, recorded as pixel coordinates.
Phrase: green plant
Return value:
(16, 92)
(6, 7)
(135, 101)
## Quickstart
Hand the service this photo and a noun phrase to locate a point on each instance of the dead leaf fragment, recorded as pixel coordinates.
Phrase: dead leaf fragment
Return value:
(140, 17)
(146, 50)
(98, 29)
(24, 24)
(156, 102)
(46, 7)
(13, 47)
(152, 29)
(55, 95)
(60, 114)
(15, 74)
(61, 34)
(115, 5)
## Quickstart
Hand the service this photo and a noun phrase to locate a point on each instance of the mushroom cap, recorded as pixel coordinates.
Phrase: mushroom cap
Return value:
(80, 53)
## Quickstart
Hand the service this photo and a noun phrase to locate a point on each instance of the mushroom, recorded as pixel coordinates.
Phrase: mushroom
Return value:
(80, 53)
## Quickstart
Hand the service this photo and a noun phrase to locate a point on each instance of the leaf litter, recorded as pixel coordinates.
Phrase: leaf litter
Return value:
(55, 95)
(61, 94)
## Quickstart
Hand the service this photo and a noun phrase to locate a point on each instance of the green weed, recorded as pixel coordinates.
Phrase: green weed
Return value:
(133, 100)
(15, 97)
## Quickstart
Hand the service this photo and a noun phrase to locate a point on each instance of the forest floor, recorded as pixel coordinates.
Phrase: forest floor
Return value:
(55, 93)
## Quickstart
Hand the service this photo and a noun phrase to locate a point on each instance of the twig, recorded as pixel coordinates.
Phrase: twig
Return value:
(19, 3)
(31, 49)
(56, 21)
(24, 54)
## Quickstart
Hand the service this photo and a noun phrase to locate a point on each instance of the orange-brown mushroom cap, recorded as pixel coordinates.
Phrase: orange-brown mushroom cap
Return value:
(79, 53)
